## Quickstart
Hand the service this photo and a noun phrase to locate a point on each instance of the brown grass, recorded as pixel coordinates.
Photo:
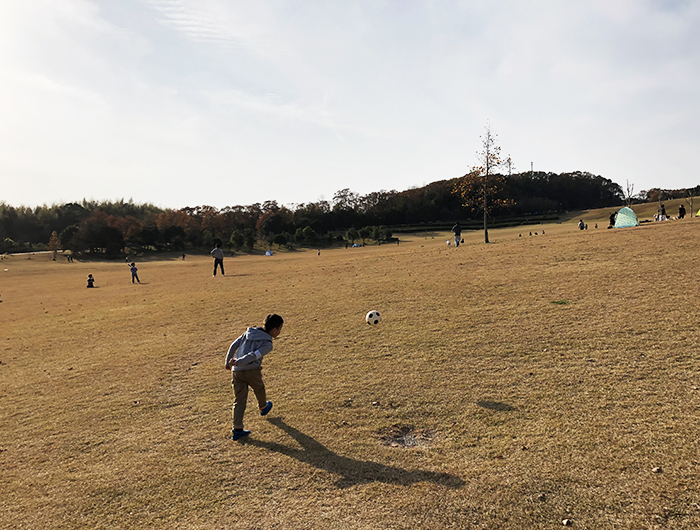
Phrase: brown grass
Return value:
(510, 385)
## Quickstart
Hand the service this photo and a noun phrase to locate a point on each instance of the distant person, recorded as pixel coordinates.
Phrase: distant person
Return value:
(134, 273)
(581, 225)
(663, 212)
(457, 230)
(244, 358)
(218, 256)
(91, 281)
(613, 216)
(681, 212)
(183, 256)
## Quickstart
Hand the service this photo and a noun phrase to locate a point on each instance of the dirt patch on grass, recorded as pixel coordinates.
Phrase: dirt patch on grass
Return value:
(406, 436)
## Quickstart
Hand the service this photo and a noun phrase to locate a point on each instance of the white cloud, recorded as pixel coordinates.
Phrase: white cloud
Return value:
(194, 22)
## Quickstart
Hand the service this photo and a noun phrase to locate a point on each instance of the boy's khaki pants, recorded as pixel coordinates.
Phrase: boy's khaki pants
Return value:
(241, 381)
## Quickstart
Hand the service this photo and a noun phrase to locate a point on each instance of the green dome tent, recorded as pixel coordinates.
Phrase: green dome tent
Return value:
(626, 217)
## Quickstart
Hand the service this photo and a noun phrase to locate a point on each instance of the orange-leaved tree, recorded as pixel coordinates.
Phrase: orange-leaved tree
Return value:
(54, 244)
(481, 188)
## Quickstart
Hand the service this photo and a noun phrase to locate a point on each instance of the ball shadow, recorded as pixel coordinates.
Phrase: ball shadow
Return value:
(496, 405)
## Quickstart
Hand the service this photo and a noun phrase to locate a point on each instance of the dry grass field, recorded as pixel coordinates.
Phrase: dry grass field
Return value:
(513, 385)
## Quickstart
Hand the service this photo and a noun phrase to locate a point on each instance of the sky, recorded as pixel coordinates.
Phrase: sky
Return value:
(234, 102)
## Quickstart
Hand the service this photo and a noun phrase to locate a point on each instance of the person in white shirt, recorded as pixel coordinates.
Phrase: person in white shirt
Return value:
(218, 255)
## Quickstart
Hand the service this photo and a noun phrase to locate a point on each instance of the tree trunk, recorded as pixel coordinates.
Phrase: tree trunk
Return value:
(486, 230)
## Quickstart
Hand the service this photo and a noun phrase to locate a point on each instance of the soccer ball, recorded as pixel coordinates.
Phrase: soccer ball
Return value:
(373, 317)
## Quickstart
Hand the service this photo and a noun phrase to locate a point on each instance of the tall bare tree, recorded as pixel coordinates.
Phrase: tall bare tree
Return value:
(689, 194)
(479, 189)
(629, 194)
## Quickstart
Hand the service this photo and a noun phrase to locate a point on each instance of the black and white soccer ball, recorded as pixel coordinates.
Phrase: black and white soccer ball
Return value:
(373, 318)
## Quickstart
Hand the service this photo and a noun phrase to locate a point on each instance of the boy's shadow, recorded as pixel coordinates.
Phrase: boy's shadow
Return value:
(351, 471)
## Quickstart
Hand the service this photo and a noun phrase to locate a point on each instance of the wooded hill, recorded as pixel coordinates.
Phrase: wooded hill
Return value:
(113, 227)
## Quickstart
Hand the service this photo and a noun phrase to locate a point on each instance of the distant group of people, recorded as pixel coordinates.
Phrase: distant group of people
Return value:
(134, 275)
(662, 216)
(217, 254)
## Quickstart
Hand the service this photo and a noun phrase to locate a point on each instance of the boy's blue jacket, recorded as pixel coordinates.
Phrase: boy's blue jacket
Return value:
(249, 348)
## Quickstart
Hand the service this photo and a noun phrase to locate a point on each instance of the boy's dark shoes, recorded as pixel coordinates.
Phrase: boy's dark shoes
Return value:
(266, 409)
(239, 433)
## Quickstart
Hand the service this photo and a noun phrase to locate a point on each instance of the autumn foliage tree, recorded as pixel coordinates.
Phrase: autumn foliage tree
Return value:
(481, 189)
(54, 244)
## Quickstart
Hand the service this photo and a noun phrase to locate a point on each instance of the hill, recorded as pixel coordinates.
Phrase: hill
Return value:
(118, 228)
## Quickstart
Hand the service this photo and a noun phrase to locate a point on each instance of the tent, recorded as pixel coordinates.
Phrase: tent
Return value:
(268, 253)
(626, 217)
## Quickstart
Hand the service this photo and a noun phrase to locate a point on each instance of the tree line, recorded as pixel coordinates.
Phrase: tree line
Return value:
(112, 227)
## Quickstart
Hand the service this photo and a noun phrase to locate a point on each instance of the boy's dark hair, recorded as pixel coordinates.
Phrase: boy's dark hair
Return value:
(273, 321)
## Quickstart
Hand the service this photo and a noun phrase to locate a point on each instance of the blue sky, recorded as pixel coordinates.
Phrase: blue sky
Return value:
(213, 102)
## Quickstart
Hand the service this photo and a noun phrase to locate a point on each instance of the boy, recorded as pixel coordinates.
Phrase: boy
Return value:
(244, 358)
(91, 281)
(134, 273)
